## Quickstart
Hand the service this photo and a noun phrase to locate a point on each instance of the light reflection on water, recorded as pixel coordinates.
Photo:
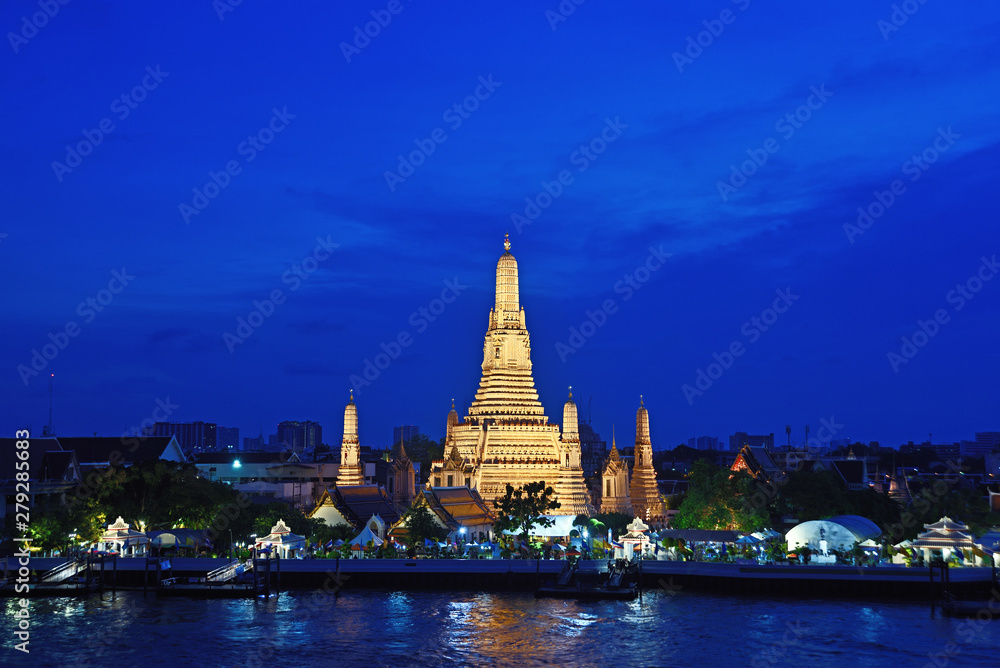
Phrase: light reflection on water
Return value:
(413, 629)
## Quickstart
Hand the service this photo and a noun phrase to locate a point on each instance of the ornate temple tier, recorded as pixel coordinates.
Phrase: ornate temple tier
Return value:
(506, 436)
(351, 470)
(645, 494)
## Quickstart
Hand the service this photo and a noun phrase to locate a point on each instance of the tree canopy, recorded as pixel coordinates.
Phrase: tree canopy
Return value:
(718, 498)
(421, 525)
(524, 507)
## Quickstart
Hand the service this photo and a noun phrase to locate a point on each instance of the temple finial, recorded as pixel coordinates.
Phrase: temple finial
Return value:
(453, 402)
(570, 391)
(506, 241)
(352, 395)
(640, 400)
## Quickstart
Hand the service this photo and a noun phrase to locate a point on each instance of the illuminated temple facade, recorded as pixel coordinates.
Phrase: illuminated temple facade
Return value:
(351, 470)
(506, 436)
(645, 494)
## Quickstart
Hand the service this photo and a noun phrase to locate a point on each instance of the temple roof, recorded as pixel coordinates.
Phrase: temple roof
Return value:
(357, 503)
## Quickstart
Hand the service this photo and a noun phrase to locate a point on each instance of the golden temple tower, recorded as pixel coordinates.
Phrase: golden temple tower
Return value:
(351, 471)
(643, 490)
(506, 436)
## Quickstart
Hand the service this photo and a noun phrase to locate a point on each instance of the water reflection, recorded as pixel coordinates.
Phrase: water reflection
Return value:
(412, 629)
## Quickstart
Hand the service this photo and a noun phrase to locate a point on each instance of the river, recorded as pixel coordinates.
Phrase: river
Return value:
(367, 628)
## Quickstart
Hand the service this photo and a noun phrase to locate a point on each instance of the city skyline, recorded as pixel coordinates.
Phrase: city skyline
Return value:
(743, 238)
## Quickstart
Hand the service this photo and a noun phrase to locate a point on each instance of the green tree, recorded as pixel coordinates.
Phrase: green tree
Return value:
(522, 508)
(421, 525)
(718, 498)
(617, 522)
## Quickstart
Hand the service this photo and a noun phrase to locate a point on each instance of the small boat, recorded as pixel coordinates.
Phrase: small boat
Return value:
(620, 585)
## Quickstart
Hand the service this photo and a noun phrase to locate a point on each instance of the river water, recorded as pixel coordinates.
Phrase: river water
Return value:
(364, 628)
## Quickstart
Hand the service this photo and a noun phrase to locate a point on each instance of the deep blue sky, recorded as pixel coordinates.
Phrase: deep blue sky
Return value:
(655, 186)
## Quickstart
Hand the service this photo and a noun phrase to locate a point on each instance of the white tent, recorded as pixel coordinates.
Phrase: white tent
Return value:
(563, 524)
(366, 536)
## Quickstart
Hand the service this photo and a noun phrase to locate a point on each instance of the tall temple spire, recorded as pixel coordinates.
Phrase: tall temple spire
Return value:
(644, 493)
(507, 308)
(507, 389)
(506, 438)
(571, 426)
(350, 472)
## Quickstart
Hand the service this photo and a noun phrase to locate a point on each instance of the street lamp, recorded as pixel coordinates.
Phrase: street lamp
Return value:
(586, 540)
(230, 544)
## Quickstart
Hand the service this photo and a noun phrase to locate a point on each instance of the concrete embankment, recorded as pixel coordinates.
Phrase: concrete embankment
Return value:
(526, 575)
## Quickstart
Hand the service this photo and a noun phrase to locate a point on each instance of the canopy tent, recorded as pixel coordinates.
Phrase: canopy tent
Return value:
(123, 538)
(177, 538)
(282, 540)
(766, 535)
(366, 536)
(561, 527)
(702, 535)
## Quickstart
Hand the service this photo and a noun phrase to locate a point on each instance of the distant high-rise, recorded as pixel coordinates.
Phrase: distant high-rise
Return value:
(705, 443)
(593, 451)
(985, 443)
(227, 438)
(191, 436)
(255, 443)
(741, 438)
(299, 436)
(404, 433)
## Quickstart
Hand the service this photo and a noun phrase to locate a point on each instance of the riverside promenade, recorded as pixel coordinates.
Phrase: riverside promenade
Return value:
(527, 574)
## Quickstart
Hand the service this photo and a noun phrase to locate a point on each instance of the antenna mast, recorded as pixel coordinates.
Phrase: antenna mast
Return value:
(48, 430)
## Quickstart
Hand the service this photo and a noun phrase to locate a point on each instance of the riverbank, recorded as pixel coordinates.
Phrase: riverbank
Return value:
(526, 575)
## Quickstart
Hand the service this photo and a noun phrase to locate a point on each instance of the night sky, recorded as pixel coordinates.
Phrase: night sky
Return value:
(271, 151)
